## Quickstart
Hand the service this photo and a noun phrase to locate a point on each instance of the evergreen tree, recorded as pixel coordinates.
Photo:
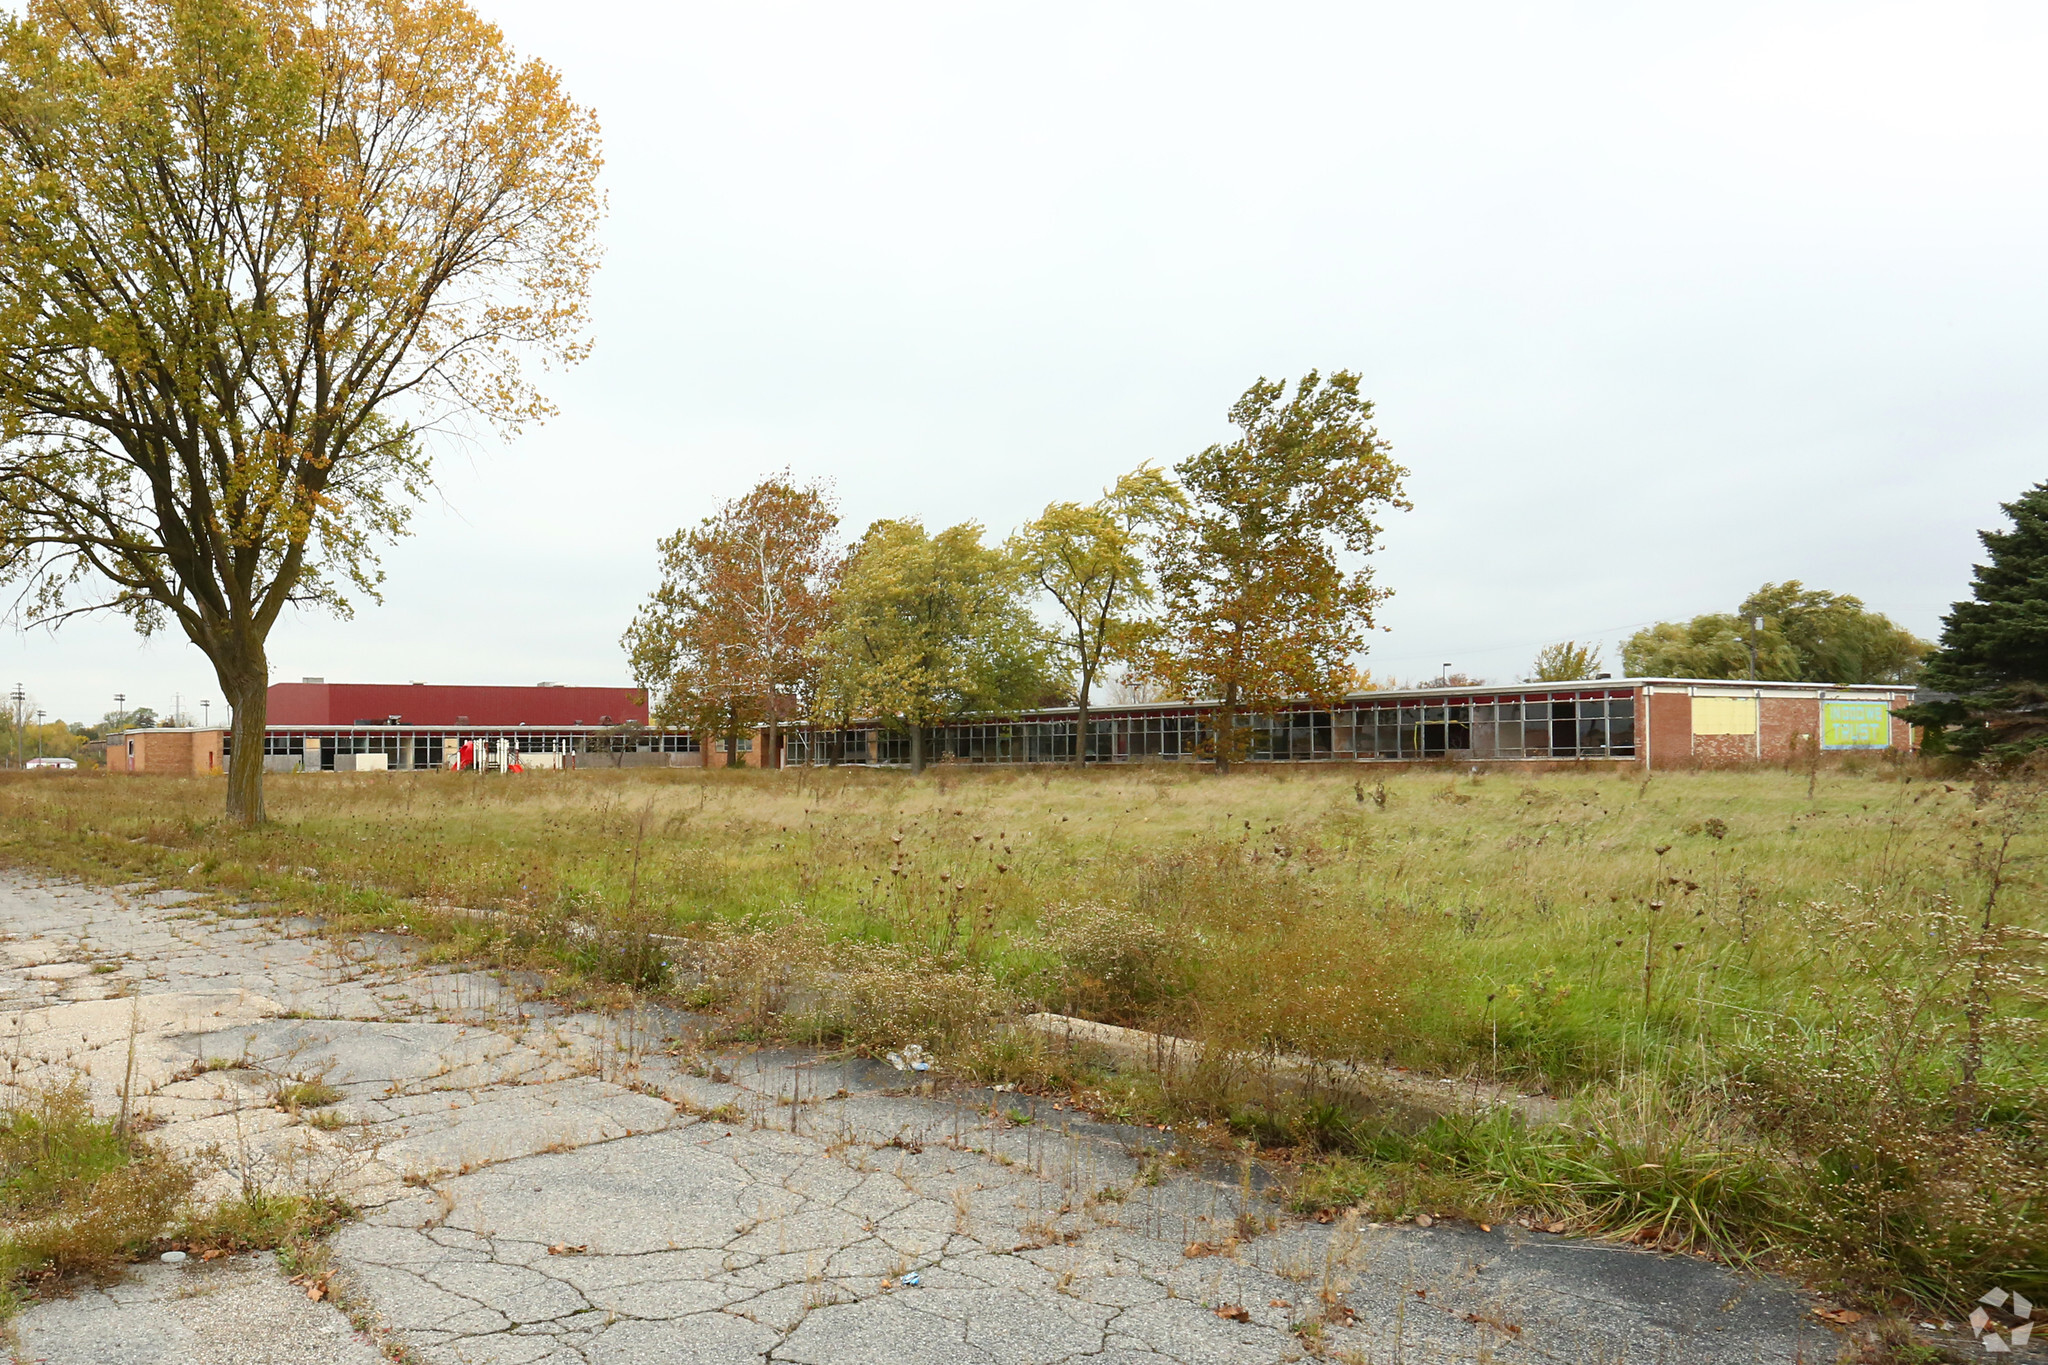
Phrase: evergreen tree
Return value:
(1994, 647)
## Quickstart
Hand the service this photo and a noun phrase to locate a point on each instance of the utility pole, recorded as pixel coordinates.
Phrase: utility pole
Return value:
(1756, 625)
(120, 710)
(17, 696)
(39, 732)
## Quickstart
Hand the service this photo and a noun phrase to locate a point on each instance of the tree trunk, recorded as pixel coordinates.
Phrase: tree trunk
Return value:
(1226, 728)
(248, 696)
(773, 758)
(916, 749)
(1081, 726)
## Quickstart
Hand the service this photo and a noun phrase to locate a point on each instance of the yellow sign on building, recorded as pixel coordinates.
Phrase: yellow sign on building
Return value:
(1855, 725)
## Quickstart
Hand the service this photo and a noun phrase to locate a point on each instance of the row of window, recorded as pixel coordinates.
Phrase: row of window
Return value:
(1583, 727)
(1574, 727)
(1600, 726)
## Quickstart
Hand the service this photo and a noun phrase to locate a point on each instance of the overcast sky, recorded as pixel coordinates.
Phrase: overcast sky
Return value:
(1657, 303)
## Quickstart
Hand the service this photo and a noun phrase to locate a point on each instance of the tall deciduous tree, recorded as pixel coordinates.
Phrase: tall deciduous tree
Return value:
(1091, 562)
(724, 642)
(1257, 606)
(249, 251)
(926, 628)
(1994, 647)
(1565, 661)
(1808, 635)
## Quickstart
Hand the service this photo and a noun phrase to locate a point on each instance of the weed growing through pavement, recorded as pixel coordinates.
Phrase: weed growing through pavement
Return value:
(77, 1194)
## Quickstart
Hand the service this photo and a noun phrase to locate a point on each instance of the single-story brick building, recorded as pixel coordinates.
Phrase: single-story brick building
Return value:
(173, 752)
(1647, 723)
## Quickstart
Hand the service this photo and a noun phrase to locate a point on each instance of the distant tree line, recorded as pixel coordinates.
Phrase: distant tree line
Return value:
(23, 735)
(1239, 574)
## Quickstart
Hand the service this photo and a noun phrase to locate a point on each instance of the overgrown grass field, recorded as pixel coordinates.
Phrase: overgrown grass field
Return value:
(1783, 1014)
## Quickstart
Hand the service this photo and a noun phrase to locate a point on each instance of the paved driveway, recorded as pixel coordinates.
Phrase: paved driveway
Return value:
(547, 1186)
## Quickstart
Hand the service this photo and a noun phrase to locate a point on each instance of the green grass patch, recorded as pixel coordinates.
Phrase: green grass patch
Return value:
(76, 1195)
(294, 1095)
(1827, 988)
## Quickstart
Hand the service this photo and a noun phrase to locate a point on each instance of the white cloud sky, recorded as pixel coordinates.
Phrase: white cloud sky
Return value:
(1657, 303)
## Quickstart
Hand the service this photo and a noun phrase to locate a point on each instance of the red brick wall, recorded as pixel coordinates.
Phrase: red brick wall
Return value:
(1783, 721)
(171, 753)
(1723, 750)
(1670, 728)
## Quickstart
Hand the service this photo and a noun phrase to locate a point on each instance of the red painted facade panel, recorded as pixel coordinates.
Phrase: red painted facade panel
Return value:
(303, 703)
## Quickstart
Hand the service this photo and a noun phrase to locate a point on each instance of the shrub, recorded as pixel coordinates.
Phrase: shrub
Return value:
(883, 995)
(76, 1195)
(1115, 964)
(753, 969)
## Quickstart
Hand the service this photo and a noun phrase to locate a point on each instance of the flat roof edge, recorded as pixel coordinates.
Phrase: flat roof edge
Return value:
(1106, 709)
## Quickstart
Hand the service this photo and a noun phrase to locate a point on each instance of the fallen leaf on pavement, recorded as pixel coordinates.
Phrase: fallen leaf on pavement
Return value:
(1234, 1313)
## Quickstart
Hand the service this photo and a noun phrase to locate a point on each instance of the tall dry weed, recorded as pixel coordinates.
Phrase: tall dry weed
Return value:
(1116, 964)
(754, 970)
(882, 995)
(1908, 1095)
(1264, 956)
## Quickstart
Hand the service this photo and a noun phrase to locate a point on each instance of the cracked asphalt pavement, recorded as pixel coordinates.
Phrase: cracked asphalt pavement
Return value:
(539, 1185)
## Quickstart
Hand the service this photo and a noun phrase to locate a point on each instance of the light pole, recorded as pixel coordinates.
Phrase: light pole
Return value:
(1756, 625)
(205, 715)
(1444, 678)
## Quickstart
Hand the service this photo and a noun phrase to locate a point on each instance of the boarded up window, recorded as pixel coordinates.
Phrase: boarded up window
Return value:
(1724, 715)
